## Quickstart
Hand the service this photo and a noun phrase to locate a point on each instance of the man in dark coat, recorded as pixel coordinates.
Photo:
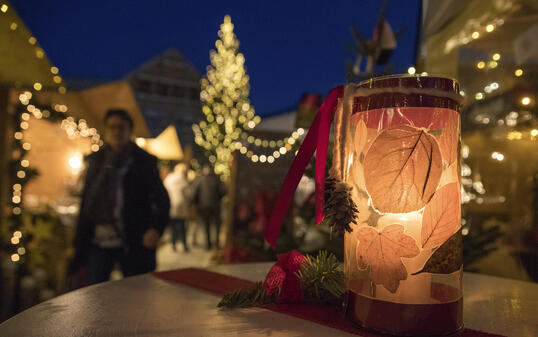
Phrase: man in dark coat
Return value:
(124, 206)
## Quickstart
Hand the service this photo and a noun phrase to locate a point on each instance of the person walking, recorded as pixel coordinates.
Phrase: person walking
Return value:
(124, 208)
(178, 190)
(208, 192)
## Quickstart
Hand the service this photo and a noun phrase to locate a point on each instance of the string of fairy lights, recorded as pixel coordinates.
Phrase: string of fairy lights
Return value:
(229, 116)
(281, 147)
(72, 127)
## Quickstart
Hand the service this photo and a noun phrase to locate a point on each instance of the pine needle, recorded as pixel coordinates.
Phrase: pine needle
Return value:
(246, 298)
(322, 278)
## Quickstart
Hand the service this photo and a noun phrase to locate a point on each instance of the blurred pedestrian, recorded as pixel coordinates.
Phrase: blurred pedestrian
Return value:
(124, 205)
(208, 192)
(178, 189)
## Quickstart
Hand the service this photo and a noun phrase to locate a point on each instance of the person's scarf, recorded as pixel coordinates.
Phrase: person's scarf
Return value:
(103, 190)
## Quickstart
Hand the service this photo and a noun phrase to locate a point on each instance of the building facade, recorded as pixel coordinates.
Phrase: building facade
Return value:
(167, 89)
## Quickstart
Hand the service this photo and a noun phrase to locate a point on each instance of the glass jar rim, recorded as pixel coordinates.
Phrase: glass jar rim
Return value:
(384, 77)
(421, 81)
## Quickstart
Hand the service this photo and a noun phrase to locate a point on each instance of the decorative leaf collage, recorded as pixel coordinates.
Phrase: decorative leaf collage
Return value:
(402, 172)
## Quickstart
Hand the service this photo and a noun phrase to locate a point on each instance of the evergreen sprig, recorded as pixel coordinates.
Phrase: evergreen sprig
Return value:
(246, 298)
(322, 278)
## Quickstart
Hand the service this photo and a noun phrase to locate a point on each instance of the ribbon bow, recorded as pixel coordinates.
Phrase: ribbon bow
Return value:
(317, 139)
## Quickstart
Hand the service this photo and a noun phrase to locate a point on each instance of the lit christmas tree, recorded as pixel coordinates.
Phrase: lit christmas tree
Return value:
(225, 102)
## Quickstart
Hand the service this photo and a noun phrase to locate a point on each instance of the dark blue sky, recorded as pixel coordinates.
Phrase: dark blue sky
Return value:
(291, 46)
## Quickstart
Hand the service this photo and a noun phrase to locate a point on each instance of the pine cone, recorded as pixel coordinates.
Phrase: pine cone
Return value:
(340, 209)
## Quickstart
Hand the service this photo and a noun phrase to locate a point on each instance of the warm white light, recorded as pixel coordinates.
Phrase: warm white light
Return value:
(496, 57)
(140, 141)
(411, 70)
(497, 156)
(534, 132)
(525, 100)
(490, 28)
(481, 65)
(17, 234)
(21, 250)
(4, 8)
(75, 162)
(37, 86)
(479, 96)
(475, 35)
(15, 257)
(518, 72)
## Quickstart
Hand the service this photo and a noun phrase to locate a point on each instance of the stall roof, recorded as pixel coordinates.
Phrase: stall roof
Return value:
(23, 61)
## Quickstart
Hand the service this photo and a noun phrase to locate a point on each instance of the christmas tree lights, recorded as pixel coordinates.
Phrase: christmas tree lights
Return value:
(225, 103)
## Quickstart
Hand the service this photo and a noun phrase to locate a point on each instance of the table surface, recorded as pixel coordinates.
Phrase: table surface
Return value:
(147, 306)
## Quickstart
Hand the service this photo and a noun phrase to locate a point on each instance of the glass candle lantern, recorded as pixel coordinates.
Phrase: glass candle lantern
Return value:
(403, 259)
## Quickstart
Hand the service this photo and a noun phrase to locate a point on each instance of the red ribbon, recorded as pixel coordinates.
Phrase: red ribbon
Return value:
(317, 139)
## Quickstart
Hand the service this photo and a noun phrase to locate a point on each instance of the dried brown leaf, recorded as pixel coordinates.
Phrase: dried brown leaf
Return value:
(448, 140)
(382, 251)
(402, 169)
(447, 258)
(441, 217)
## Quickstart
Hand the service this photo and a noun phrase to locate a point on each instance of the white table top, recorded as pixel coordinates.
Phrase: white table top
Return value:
(147, 306)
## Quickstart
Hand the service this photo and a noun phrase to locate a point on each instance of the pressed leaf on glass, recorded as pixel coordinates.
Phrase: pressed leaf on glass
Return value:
(441, 217)
(449, 138)
(402, 169)
(360, 136)
(383, 252)
(446, 259)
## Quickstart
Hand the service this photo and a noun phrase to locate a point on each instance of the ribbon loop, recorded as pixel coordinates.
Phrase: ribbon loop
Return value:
(316, 140)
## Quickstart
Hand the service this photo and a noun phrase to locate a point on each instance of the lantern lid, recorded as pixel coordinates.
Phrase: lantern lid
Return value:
(408, 91)
(412, 81)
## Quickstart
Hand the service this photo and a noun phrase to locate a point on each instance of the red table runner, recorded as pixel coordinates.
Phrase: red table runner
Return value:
(331, 316)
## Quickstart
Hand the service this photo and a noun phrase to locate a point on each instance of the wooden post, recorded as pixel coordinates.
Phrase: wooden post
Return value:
(229, 220)
(4, 152)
